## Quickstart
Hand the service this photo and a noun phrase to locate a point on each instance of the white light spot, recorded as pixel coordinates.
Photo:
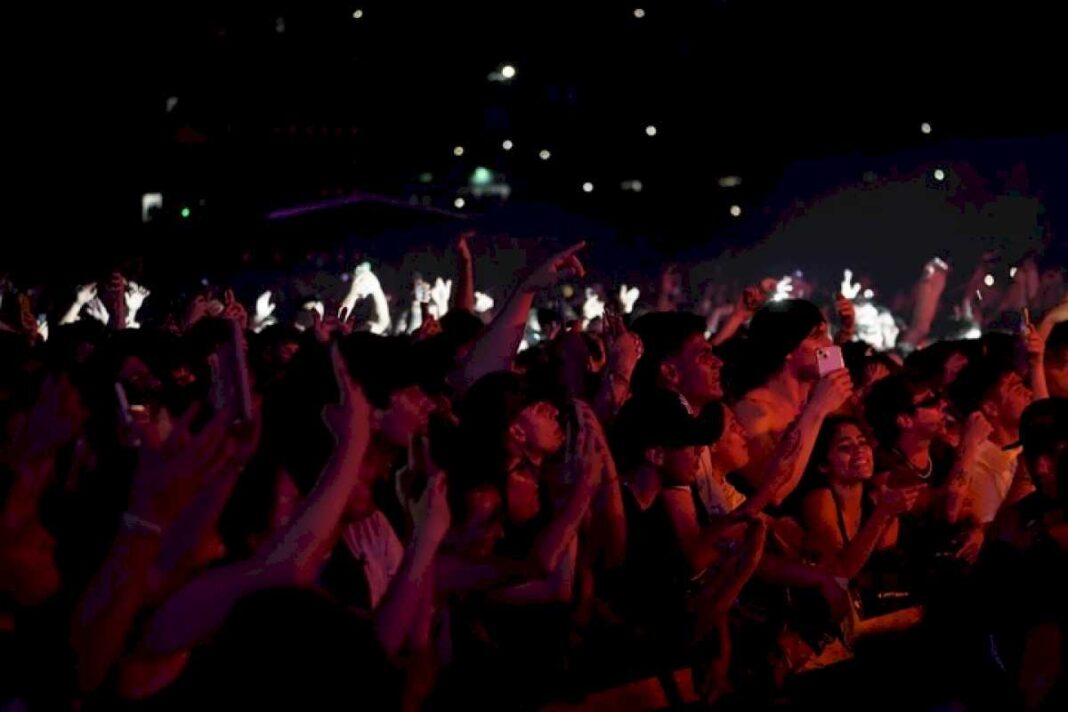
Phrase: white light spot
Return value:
(736, 211)
(1012, 272)
(868, 294)
(925, 127)
(508, 71)
(989, 280)
(172, 101)
(357, 14)
(939, 174)
(507, 145)
(634, 185)
(650, 130)
(730, 181)
(280, 25)
(458, 151)
(544, 155)
(639, 13)
(587, 187)
(459, 203)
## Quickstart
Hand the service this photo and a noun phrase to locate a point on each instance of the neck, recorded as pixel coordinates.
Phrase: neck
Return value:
(515, 459)
(696, 402)
(788, 388)
(849, 493)
(1003, 435)
(645, 484)
(915, 448)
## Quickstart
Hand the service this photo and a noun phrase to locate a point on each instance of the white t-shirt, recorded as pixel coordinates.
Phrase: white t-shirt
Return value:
(718, 496)
(991, 477)
(373, 542)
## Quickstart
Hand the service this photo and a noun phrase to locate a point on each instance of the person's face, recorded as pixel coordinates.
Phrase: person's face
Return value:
(694, 371)
(1056, 364)
(537, 428)
(731, 450)
(927, 417)
(1010, 398)
(1048, 471)
(477, 537)
(680, 464)
(285, 351)
(802, 360)
(407, 415)
(849, 456)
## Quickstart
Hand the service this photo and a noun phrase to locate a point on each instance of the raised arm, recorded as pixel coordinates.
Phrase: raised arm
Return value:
(294, 555)
(463, 292)
(496, 348)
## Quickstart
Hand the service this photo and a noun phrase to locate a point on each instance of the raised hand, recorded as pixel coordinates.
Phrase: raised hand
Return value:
(847, 318)
(628, 297)
(849, 289)
(168, 477)
(624, 347)
(593, 307)
(349, 420)
(264, 315)
(96, 309)
(234, 310)
(86, 293)
(832, 391)
(560, 266)
(135, 297)
(439, 295)
(895, 502)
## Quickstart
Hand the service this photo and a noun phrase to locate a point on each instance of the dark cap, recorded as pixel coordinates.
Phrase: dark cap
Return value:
(658, 418)
(1043, 425)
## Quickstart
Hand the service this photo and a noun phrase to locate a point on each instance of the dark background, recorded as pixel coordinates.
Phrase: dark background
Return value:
(806, 103)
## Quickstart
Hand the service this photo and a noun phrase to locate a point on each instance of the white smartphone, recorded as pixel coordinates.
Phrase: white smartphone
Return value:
(829, 359)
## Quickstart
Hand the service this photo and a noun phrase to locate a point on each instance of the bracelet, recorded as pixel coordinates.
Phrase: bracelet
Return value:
(138, 524)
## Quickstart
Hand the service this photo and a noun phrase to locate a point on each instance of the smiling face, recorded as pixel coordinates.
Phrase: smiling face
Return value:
(849, 456)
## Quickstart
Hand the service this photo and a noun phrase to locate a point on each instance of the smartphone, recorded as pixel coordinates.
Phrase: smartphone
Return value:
(829, 359)
(230, 386)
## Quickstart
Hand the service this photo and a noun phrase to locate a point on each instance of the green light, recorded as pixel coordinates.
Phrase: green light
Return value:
(426, 177)
(482, 176)
(185, 212)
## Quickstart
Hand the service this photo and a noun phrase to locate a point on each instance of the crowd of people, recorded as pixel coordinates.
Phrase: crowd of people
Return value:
(370, 502)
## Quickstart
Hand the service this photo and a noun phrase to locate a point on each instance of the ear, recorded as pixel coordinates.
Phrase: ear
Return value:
(904, 422)
(517, 434)
(654, 456)
(669, 374)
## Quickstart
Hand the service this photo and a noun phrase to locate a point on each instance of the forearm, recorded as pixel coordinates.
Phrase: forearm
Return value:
(855, 555)
(305, 543)
(556, 587)
(789, 459)
(463, 290)
(106, 612)
(1038, 378)
(496, 348)
(381, 321)
(71, 315)
(730, 328)
(563, 529)
(400, 606)
(776, 570)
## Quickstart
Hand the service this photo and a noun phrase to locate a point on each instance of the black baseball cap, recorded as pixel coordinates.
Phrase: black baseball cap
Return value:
(1043, 425)
(658, 418)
